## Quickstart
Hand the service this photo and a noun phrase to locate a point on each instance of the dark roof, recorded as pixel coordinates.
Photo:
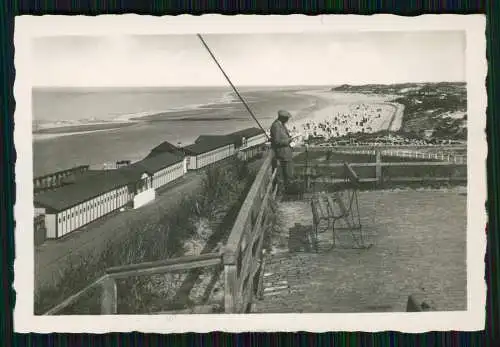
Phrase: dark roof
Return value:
(207, 143)
(203, 138)
(157, 162)
(248, 132)
(81, 176)
(236, 138)
(165, 147)
(96, 184)
(245, 133)
(85, 189)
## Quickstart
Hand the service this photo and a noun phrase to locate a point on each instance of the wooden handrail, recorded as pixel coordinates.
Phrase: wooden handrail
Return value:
(73, 298)
(108, 281)
(183, 261)
(384, 164)
(243, 252)
(204, 260)
(233, 242)
(62, 172)
(380, 178)
(408, 151)
(375, 147)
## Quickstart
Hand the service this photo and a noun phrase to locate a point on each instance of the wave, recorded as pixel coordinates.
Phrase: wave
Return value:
(47, 126)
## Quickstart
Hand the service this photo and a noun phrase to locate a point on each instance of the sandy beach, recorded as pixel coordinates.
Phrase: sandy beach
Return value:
(341, 113)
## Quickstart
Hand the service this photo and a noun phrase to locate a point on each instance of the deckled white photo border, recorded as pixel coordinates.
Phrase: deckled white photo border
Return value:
(27, 27)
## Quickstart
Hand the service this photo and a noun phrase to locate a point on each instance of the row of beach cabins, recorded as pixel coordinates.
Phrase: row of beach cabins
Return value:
(94, 194)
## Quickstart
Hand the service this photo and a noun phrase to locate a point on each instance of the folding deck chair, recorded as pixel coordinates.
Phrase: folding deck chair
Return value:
(328, 209)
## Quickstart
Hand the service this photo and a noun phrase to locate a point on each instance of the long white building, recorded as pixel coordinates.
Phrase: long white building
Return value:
(208, 150)
(93, 196)
(249, 142)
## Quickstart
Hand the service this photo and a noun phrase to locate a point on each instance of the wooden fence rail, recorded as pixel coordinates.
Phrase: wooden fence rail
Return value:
(243, 251)
(380, 147)
(415, 152)
(55, 179)
(107, 282)
(314, 172)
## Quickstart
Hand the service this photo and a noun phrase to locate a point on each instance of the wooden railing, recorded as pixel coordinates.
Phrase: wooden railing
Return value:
(243, 256)
(380, 172)
(414, 152)
(107, 282)
(55, 179)
(452, 147)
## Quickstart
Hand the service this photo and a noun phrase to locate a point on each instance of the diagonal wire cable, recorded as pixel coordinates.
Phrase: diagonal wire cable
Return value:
(231, 84)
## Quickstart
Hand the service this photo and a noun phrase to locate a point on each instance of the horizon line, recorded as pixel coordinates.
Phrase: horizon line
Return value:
(243, 85)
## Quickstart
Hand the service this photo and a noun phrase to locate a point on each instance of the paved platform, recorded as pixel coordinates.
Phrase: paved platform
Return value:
(419, 244)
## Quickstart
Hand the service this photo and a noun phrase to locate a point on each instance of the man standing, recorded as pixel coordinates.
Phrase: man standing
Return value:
(282, 143)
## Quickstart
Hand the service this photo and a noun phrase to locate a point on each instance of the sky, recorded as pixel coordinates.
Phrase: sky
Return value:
(249, 59)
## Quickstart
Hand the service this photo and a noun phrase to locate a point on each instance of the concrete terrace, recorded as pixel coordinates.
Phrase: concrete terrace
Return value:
(419, 245)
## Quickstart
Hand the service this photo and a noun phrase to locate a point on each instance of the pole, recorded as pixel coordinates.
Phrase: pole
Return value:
(231, 83)
(378, 167)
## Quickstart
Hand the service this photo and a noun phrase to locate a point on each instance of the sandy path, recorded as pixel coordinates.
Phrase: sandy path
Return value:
(397, 120)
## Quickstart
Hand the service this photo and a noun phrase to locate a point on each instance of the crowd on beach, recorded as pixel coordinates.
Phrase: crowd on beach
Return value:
(342, 120)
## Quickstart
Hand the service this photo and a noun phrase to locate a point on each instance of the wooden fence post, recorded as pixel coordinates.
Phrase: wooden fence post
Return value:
(378, 168)
(109, 302)
(230, 281)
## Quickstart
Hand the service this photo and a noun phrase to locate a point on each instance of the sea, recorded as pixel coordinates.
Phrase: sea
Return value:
(151, 116)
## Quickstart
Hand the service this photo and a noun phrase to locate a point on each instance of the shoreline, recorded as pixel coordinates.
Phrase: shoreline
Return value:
(51, 136)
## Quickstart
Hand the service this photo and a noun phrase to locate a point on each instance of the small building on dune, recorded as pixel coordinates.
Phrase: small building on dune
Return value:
(73, 206)
(208, 150)
(249, 142)
(165, 147)
(163, 168)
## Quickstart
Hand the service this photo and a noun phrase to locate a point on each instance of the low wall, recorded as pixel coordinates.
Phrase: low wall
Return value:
(144, 198)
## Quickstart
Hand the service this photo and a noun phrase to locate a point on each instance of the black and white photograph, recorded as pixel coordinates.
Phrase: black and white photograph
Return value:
(280, 173)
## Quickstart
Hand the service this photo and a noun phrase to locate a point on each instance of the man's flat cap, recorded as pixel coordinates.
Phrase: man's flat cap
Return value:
(284, 114)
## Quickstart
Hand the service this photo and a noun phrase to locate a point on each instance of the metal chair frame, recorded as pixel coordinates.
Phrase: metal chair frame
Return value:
(350, 213)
